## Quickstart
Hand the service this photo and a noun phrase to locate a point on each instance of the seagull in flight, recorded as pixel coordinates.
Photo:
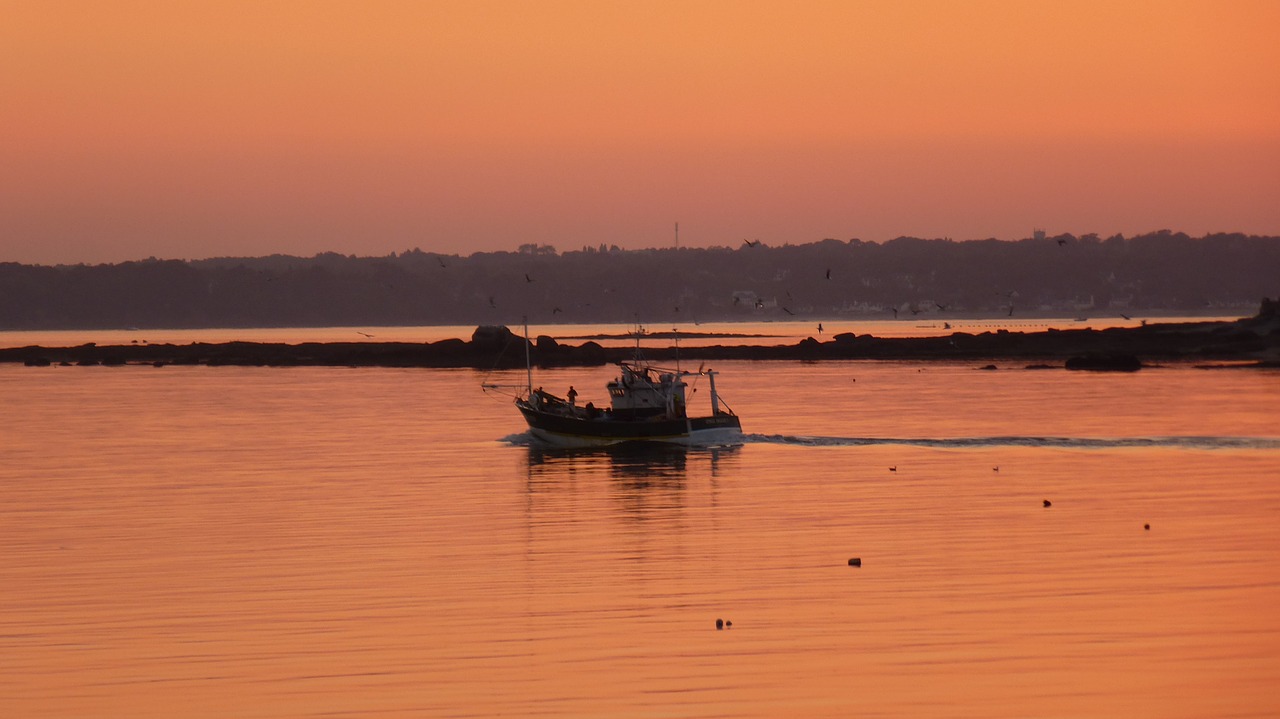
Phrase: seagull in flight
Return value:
(366, 334)
(750, 243)
(527, 278)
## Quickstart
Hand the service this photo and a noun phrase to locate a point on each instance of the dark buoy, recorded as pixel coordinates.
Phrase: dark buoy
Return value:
(894, 468)
(728, 624)
(1146, 526)
(719, 624)
(1047, 503)
(855, 562)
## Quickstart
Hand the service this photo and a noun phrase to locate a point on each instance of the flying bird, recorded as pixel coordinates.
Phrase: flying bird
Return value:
(555, 310)
(441, 261)
(751, 243)
(491, 304)
(366, 334)
(828, 273)
(1062, 241)
(527, 278)
(784, 309)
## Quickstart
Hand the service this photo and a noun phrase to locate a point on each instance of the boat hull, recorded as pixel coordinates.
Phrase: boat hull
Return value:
(563, 431)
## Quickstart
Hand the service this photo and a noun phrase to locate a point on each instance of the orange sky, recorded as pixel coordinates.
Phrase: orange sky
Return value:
(198, 129)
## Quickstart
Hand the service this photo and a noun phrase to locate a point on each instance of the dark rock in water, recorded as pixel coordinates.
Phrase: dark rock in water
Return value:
(1105, 363)
(989, 367)
(593, 353)
(546, 343)
(1040, 366)
(855, 562)
(492, 337)
(1047, 503)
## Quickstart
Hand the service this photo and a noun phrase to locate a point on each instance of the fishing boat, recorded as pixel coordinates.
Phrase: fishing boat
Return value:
(647, 403)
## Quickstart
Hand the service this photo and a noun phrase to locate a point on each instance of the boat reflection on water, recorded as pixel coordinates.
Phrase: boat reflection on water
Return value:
(632, 466)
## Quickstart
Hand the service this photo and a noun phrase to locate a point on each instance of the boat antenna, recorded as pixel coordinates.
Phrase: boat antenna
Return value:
(528, 364)
(675, 334)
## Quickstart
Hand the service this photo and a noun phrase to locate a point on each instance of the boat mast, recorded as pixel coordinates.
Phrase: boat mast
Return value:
(528, 365)
(715, 398)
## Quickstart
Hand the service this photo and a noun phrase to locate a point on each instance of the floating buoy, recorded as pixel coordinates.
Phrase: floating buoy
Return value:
(1047, 503)
(855, 562)
(728, 624)
(719, 624)
(894, 468)
(1146, 526)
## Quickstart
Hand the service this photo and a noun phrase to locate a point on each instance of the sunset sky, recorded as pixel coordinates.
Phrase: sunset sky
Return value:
(203, 129)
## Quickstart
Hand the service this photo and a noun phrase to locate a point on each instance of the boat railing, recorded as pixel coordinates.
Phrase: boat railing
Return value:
(725, 408)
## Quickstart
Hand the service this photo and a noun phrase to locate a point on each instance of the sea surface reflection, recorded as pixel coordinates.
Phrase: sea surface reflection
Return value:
(336, 542)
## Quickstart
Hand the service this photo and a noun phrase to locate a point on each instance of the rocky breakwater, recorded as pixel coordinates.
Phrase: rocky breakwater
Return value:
(1252, 340)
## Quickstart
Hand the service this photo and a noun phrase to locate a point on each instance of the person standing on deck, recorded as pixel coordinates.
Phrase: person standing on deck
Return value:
(573, 396)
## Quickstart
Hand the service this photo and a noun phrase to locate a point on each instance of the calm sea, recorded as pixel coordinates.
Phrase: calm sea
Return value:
(321, 542)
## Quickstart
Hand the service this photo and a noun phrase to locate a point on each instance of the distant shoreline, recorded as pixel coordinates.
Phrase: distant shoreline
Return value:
(671, 335)
(1251, 341)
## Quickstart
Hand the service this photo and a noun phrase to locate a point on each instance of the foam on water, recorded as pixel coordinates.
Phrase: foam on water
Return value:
(1232, 443)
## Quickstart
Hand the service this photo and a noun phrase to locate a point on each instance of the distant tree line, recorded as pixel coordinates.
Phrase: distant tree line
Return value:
(1163, 272)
